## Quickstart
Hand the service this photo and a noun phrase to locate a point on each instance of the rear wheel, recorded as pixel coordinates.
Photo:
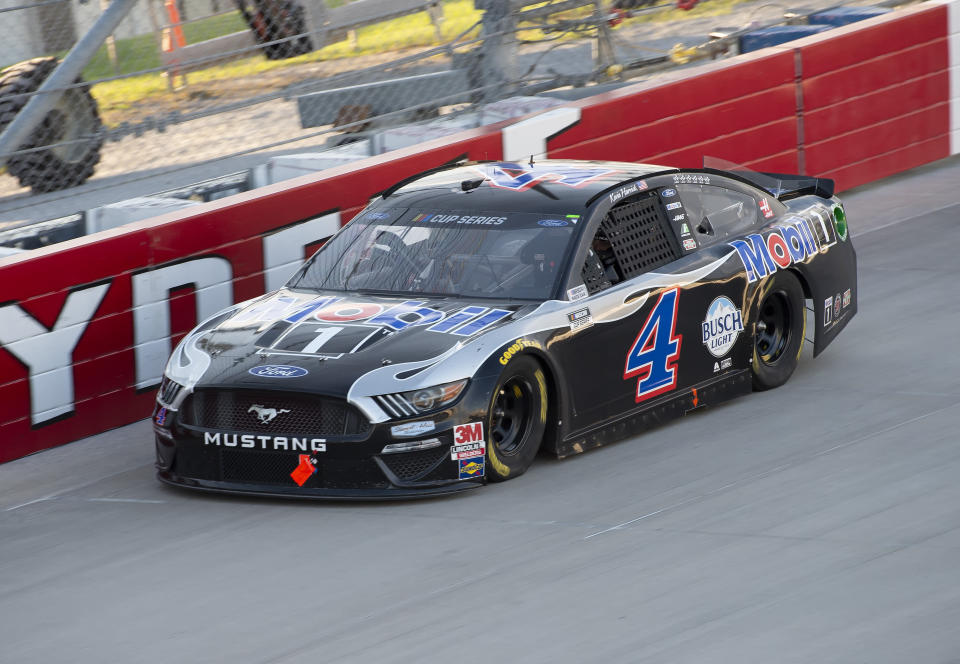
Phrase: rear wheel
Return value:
(517, 419)
(72, 130)
(780, 327)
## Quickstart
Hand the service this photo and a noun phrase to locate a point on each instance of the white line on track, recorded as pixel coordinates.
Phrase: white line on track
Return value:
(30, 502)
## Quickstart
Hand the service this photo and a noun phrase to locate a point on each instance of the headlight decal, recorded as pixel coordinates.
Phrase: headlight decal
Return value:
(418, 402)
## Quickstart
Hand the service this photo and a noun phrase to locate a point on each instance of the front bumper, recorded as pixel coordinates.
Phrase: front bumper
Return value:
(348, 467)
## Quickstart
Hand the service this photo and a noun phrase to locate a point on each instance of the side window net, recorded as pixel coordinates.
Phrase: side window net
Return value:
(639, 235)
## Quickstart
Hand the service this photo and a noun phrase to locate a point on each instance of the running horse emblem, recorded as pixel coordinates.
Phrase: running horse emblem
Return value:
(264, 414)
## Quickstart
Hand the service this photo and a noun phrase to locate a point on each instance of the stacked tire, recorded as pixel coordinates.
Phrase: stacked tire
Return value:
(70, 135)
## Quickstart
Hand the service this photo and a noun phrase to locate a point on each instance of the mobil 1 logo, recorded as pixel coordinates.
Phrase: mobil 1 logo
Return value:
(721, 326)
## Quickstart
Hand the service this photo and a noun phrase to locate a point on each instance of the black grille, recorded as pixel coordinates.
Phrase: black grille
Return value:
(273, 468)
(414, 465)
(640, 237)
(236, 410)
(265, 467)
(247, 466)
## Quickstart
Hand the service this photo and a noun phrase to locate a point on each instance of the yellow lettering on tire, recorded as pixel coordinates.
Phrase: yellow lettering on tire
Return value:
(542, 382)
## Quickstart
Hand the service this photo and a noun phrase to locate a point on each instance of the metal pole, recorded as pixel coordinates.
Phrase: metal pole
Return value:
(49, 93)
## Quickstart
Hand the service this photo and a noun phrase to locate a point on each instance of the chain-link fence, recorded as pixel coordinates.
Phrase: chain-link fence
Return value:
(180, 82)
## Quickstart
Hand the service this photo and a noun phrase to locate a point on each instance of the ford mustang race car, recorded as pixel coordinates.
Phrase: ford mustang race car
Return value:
(474, 315)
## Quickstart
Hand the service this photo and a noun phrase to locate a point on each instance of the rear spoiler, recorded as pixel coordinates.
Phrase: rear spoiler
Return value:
(785, 186)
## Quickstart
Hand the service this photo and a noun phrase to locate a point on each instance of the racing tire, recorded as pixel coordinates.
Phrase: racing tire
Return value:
(517, 419)
(779, 331)
(74, 123)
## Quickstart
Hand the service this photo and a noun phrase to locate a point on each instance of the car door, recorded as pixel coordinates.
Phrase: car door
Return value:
(650, 328)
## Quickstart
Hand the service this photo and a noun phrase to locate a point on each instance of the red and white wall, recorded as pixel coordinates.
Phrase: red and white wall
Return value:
(85, 326)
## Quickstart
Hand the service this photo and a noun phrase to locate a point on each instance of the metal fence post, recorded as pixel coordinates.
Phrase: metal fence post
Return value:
(498, 50)
(47, 95)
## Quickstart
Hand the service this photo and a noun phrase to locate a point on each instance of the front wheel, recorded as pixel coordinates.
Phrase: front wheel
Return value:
(778, 336)
(517, 419)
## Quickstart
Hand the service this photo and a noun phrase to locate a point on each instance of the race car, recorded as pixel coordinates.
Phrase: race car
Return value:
(475, 315)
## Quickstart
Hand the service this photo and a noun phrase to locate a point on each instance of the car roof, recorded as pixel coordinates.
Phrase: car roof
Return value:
(549, 185)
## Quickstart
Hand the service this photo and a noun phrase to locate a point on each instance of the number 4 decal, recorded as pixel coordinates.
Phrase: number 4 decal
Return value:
(653, 356)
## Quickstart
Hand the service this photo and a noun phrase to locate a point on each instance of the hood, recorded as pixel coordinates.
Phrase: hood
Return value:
(322, 342)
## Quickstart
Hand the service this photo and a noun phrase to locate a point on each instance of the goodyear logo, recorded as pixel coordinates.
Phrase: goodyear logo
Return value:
(516, 347)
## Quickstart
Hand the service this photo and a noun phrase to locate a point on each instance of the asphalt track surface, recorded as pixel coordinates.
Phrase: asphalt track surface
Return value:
(819, 522)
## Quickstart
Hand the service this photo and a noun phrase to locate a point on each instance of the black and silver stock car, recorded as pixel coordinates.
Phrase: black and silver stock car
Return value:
(476, 314)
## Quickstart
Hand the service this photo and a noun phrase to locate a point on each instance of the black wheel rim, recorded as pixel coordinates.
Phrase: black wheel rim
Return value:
(511, 416)
(773, 327)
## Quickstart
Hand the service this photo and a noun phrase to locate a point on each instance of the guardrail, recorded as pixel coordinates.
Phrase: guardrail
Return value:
(87, 324)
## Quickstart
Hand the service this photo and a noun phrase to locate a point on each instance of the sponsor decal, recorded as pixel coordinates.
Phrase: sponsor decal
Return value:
(691, 178)
(668, 193)
(689, 244)
(725, 363)
(462, 219)
(553, 223)
(471, 468)
(468, 433)
(580, 318)
(721, 326)
(305, 469)
(467, 451)
(376, 216)
(679, 217)
(791, 242)
(573, 218)
(827, 311)
(847, 298)
(577, 293)
(161, 417)
(277, 371)
(684, 229)
(520, 177)
(264, 414)
(423, 216)
(837, 304)
(674, 206)
(465, 322)
(412, 429)
(765, 208)
(251, 441)
(516, 347)
(468, 443)
(840, 222)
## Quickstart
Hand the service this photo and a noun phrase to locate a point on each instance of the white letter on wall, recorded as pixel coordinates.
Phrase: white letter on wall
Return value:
(48, 354)
(529, 137)
(283, 250)
(211, 276)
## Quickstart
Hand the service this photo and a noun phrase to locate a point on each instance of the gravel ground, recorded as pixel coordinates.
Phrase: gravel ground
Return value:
(138, 165)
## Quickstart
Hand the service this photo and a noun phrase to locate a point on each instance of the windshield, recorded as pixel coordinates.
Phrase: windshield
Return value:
(413, 251)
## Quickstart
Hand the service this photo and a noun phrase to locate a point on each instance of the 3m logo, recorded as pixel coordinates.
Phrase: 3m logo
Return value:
(468, 433)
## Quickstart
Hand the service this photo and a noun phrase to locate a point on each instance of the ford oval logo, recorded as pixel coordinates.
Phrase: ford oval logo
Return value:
(553, 222)
(278, 371)
(668, 193)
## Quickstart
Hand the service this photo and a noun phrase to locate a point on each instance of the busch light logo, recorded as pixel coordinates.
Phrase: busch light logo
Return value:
(278, 371)
(722, 326)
